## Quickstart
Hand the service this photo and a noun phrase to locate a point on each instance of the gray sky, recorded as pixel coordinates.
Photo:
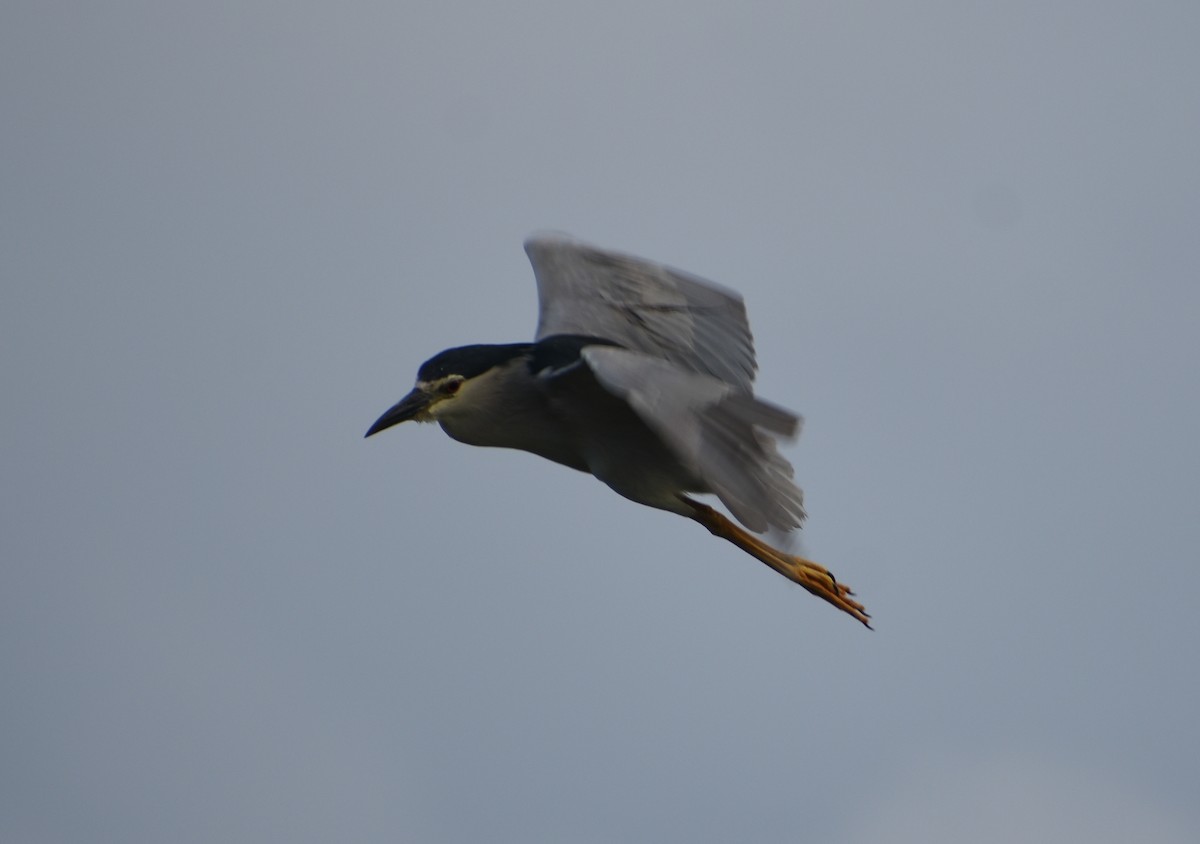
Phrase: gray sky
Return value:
(969, 239)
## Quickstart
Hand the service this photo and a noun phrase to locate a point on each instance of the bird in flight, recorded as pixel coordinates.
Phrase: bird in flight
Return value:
(641, 375)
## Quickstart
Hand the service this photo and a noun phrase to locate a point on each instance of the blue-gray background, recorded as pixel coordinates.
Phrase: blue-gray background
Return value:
(969, 239)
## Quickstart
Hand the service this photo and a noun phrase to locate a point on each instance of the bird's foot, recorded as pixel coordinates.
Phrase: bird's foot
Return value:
(814, 577)
(820, 581)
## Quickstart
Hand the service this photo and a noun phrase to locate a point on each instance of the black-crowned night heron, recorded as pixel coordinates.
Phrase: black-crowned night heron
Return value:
(641, 375)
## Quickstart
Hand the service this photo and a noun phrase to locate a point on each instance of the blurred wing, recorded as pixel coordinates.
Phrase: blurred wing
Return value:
(724, 435)
(642, 306)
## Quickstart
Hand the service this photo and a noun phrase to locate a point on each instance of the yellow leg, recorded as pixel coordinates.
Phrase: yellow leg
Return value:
(813, 577)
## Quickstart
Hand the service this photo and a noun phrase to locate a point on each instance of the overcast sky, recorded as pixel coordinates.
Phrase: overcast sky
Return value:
(968, 236)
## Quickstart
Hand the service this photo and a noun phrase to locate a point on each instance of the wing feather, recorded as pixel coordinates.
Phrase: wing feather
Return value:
(721, 433)
(644, 306)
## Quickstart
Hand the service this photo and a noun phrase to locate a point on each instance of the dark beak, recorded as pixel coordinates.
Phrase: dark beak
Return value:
(402, 411)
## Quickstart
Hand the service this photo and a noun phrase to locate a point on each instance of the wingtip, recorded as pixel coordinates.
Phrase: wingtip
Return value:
(546, 238)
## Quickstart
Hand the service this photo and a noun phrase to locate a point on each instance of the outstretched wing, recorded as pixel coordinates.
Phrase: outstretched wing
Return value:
(642, 306)
(722, 434)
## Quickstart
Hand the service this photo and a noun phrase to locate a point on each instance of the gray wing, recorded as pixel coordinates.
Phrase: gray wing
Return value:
(643, 306)
(722, 434)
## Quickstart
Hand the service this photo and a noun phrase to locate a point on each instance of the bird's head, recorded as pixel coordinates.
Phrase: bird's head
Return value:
(448, 383)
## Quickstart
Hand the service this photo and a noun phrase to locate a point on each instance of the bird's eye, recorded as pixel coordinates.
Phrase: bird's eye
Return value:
(451, 387)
